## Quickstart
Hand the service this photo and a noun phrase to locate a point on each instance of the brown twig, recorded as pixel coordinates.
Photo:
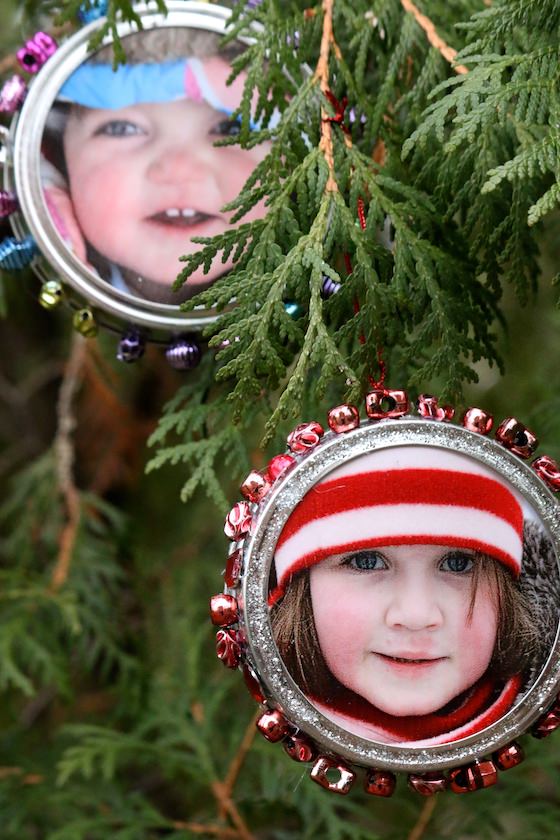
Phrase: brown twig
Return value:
(431, 33)
(200, 828)
(64, 450)
(223, 790)
(228, 806)
(239, 757)
(322, 76)
(424, 817)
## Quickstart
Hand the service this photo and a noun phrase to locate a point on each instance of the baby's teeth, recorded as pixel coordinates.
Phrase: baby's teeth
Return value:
(188, 212)
(173, 213)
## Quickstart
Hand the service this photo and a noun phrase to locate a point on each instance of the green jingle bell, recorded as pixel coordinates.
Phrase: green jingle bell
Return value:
(51, 294)
(84, 323)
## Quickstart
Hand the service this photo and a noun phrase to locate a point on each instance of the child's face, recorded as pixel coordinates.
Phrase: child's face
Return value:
(394, 624)
(146, 178)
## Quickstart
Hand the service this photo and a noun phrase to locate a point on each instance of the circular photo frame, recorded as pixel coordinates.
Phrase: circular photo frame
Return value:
(395, 591)
(116, 169)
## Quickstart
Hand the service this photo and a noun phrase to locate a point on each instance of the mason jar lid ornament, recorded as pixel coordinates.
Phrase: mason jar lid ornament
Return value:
(392, 596)
(108, 174)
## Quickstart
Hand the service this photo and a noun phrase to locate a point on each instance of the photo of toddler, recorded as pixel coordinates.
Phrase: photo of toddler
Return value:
(130, 171)
(406, 596)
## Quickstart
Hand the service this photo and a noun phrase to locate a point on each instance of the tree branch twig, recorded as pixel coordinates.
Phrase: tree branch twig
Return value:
(431, 33)
(424, 818)
(64, 452)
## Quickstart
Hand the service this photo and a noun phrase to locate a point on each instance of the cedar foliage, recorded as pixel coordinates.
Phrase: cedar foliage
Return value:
(116, 719)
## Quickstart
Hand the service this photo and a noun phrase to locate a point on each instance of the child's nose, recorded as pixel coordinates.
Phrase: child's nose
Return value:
(181, 163)
(414, 606)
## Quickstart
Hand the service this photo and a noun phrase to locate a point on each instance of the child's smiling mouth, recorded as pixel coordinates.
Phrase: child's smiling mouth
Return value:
(407, 661)
(183, 217)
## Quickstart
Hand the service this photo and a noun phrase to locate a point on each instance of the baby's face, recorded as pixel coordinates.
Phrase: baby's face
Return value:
(146, 178)
(394, 627)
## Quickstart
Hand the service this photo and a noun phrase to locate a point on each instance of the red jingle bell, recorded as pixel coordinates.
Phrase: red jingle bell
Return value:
(546, 725)
(477, 420)
(253, 684)
(509, 756)
(273, 726)
(480, 774)
(278, 465)
(380, 783)
(232, 571)
(549, 470)
(299, 748)
(321, 768)
(223, 610)
(227, 648)
(428, 407)
(238, 521)
(427, 784)
(516, 437)
(381, 404)
(306, 436)
(343, 418)
(255, 487)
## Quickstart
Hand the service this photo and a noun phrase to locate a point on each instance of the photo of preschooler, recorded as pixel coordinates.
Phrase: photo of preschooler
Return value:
(406, 596)
(130, 171)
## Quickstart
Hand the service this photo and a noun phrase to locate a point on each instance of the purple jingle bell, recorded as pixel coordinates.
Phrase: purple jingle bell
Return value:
(183, 354)
(8, 204)
(329, 288)
(36, 51)
(12, 95)
(131, 347)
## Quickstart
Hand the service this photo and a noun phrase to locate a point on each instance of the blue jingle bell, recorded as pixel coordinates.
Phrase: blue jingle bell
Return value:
(92, 10)
(17, 253)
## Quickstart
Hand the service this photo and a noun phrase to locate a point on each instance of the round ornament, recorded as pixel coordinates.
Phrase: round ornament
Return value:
(109, 172)
(392, 596)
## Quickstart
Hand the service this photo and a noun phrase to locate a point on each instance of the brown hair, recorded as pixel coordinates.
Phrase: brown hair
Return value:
(295, 634)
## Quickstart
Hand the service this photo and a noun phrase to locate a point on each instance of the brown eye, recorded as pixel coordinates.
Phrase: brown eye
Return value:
(457, 562)
(366, 561)
(226, 128)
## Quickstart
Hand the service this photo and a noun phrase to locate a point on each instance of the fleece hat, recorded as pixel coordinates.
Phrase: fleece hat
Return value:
(406, 495)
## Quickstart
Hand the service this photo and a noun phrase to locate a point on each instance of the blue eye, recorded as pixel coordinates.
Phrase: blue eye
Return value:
(226, 128)
(457, 562)
(119, 128)
(366, 561)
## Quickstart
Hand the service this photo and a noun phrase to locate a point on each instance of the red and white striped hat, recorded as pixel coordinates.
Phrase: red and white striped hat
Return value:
(406, 495)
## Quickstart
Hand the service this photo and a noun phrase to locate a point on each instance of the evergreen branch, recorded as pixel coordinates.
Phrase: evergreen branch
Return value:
(438, 43)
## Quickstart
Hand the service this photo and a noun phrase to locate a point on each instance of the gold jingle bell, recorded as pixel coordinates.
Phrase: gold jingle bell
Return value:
(84, 323)
(51, 294)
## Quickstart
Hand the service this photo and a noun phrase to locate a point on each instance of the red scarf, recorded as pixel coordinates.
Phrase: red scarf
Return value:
(478, 707)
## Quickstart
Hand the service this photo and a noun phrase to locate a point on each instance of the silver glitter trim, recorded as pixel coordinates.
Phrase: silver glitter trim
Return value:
(255, 626)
